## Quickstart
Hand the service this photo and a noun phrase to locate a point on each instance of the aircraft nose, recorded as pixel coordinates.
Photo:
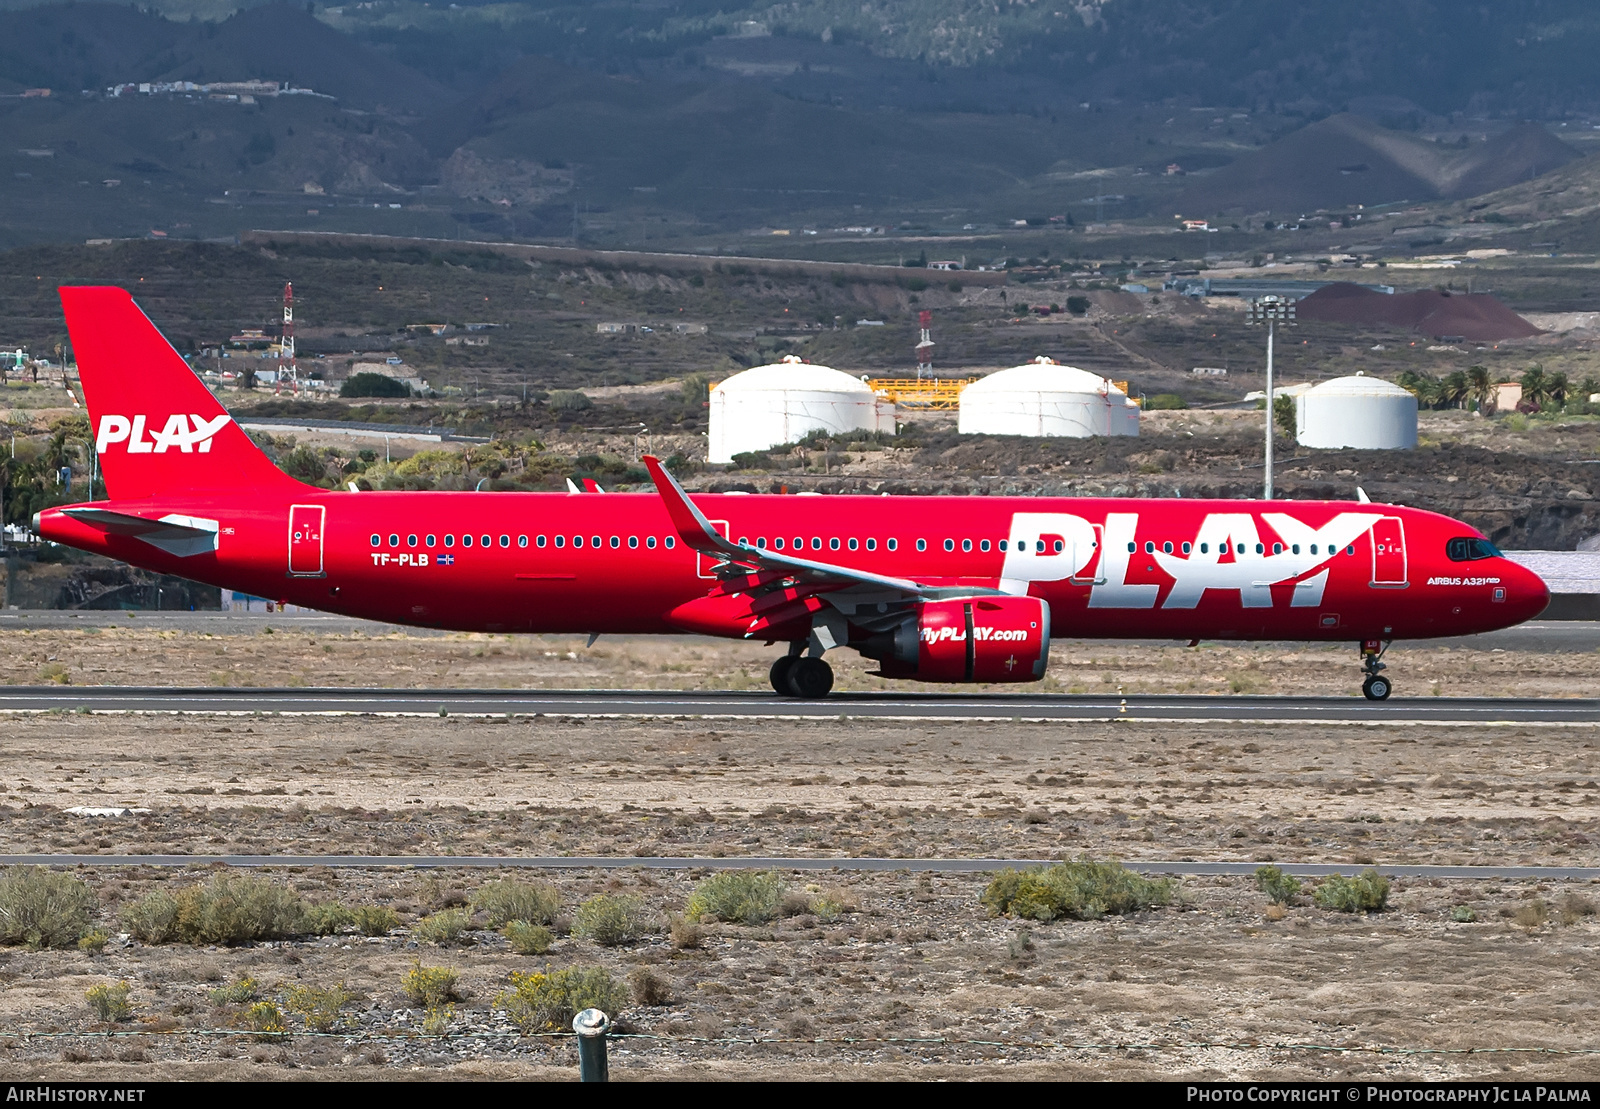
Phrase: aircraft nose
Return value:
(1526, 593)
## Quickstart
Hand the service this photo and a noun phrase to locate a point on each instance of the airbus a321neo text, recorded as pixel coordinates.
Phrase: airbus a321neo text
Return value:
(934, 589)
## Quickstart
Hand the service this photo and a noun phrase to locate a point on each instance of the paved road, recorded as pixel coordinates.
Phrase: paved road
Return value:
(888, 706)
(781, 862)
(1537, 635)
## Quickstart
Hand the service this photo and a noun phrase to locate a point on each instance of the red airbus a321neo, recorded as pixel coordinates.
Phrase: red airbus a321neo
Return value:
(937, 589)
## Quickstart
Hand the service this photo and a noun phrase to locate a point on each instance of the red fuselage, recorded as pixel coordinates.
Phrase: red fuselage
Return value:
(612, 563)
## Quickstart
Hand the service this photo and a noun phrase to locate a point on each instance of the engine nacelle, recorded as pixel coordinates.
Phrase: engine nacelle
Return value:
(969, 639)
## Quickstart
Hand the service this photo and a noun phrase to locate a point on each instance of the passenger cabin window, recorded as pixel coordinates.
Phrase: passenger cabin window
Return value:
(616, 541)
(431, 540)
(1187, 548)
(540, 542)
(671, 542)
(892, 544)
(411, 540)
(577, 541)
(487, 541)
(466, 540)
(650, 541)
(872, 544)
(1470, 549)
(377, 540)
(449, 541)
(394, 540)
(561, 541)
(833, 544)
(633, 542)
(983, 545)
(505, 540)
(777, 544)
(854, 545)
(1166, 548)
(949, 544)
(522, 540)
(1277, 548)
(922, 544)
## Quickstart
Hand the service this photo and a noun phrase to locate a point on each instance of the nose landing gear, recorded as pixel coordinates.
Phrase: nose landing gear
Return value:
(1375, 687)
(807, 678)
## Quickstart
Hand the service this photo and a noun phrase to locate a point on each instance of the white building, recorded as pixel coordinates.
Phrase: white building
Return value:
(768, 406)
(1044, 398)
(1367, 413)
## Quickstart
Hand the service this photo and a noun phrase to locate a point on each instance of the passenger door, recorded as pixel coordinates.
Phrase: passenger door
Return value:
(1388, 537)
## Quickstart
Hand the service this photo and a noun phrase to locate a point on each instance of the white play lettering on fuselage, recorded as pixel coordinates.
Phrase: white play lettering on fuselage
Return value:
(1032, 556)
(176, 432)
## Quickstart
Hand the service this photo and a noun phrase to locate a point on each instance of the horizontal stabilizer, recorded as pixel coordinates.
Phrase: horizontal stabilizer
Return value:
(177, 535)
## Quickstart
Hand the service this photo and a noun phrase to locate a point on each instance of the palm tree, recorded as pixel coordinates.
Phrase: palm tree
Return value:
(1479, 386)
(1453, 389)
(1556, 387)
(1535, 388)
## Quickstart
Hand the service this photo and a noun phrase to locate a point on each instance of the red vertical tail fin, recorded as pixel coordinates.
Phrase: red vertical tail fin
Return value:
(157, 428)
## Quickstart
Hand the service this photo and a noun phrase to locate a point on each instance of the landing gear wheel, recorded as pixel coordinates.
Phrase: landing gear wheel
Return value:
(1376, 688)
(810, 678)
(780, 675)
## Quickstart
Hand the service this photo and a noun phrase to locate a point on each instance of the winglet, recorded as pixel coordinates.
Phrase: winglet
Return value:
(693, 528)
(1361, 496)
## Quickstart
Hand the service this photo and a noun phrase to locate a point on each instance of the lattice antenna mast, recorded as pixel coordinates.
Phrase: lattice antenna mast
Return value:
(925, 345)
(286, 359)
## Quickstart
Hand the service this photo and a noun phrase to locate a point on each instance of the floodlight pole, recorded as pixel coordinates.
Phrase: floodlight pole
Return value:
(1270, 310)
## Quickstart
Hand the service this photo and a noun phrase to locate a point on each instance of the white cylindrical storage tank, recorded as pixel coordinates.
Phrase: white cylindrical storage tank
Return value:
(1367, 413)
(768, 406)
(1044, 398)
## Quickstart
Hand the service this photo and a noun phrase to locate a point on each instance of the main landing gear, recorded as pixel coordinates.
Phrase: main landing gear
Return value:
(1376, 687)
(807, 678)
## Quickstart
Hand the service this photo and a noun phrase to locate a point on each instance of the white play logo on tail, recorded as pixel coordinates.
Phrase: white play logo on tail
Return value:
(177, 432)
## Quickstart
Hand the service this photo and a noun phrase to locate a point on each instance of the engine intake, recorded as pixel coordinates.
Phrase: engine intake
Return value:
(968, 639)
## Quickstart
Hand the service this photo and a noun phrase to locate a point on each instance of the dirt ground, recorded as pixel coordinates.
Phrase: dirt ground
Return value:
(1211, 986)
(260, 651)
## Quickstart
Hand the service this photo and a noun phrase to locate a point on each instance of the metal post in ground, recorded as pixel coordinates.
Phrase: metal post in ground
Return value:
(591, 1025)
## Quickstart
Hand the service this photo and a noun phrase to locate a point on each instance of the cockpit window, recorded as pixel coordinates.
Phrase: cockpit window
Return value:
(1467, 549)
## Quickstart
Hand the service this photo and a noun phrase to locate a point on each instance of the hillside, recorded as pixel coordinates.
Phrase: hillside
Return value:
(1347, 160)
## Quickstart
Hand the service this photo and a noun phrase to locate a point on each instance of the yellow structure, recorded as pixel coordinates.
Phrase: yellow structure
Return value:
(928, 392)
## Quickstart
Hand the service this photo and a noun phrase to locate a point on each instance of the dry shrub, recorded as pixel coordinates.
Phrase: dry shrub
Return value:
(228, 909)
(538, 1002)
(109, 1000)
(444, 928)
(649, 988)
(237, 993)
(322, 1008)
(528, 939)
(328, 918)
(430, 987)
(1083, 890)
(1532, 916)
(686, 934)
(738, 896)
(1276, 912)
(511, 899)
(612, 919)
(438, 1019)
(266, 1020)
(41, 908)
(1367, 892)
(375, 920)
(1575, 908)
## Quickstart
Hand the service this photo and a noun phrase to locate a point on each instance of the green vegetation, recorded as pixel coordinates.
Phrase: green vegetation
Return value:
(322, 1008)
(1367, 892)
(229, 909)
(446, 927)
(237, 993)
(539, 1002)
(1279, 887)
(109, 1001)
(1082, 890)
(528, 939)
(1463, 914)
(327, 918)
(373, 385)
(430, 987)
(375, 920)
(265, 1019)
(613, 919)
(510, 899)
(737, 896)
(1165, 402)
(42, 908)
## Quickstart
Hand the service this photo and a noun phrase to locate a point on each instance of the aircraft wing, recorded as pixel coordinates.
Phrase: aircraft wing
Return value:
(179, 535)
(774, 570)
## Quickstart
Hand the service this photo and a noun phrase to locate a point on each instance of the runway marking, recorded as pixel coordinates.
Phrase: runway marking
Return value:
(782, 862)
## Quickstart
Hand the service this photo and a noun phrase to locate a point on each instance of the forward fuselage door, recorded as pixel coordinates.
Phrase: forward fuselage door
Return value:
(305, 540)
(1388, 537)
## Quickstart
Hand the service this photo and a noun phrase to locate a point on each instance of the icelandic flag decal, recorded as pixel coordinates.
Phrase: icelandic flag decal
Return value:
(447, 560)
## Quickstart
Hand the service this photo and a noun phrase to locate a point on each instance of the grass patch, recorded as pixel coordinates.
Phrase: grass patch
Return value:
(41, 908)
(540, 1002)
(1367, 892)
(737, 896)
(1279, 887)
(509, 899)
(611, 919)
(1082, 890)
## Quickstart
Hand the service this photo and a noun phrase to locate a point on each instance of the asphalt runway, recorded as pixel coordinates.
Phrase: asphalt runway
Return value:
(783, 862)
(1557, 636)
(741, 705)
